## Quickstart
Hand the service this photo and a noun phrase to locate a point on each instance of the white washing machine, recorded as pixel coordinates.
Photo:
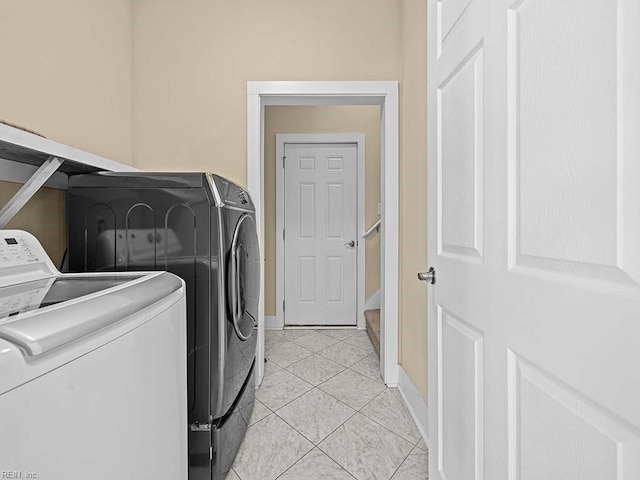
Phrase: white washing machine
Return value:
(92, 370)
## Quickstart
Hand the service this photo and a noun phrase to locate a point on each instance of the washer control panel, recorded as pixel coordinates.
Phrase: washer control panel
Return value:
(21, 253)
(17, 250)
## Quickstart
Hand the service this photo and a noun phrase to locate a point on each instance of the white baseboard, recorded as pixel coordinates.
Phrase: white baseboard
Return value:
(273, 323)
(416, 405)
(374, 302)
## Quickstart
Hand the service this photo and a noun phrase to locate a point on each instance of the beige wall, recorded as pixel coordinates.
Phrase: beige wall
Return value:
(175, 87)
(66, 72)
(43, 216)
(193, 58)
(413, 193)
(326, 119)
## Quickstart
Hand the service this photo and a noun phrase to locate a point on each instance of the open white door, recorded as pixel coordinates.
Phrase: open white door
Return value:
(534, 221)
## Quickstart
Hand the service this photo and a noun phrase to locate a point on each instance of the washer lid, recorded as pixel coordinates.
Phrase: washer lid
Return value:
(41, 315)
(25, 297)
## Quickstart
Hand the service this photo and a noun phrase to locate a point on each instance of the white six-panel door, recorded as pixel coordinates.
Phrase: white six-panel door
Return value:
(534, 224)
(320, 208)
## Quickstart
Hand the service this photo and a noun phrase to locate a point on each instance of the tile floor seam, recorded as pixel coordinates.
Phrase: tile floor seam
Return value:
(356, 409)
(299, 432)
(313, 387)
(264, 404)
(400, 466)
(393, 433)
(336, 398)
(328, 455)
(317, 387)
(249, 425)
(349, 366)
(355, 371)
(314, 444)
(333, 345)
(406, 458)
(385, 427)
(305, 439)
(346, 330)
(299, 460)
(319, 367)
(291, 341)
(333, 460)
(333, 396)
(293, 400)
(377, 394)
(261, 420)
(294, 374)
(347, 471)
(377, 380)
(336, 341)
(425, 444)
(420, 451)
(341, 401)
(326, 436)
(308, 453)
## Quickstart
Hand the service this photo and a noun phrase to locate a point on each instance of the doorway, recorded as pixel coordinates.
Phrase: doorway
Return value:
(383, 94)
(321, 252)
(321, 204)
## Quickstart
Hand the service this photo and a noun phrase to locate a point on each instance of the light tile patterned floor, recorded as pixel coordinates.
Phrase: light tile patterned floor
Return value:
(323, 413)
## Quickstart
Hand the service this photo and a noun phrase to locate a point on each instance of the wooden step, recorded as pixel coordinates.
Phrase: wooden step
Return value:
(372, 318)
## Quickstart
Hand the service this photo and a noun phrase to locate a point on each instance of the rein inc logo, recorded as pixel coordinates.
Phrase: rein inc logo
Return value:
(18, 474)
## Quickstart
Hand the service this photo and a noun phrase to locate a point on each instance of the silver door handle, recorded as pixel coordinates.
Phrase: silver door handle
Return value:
(429, 276)
(351, 244)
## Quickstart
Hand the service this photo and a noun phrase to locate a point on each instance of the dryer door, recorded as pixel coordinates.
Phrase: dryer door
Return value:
(244, 277)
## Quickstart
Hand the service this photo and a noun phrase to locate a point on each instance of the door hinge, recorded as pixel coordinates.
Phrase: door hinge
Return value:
(283, 233)
(283, 159)
(283, 305)
(201, 427)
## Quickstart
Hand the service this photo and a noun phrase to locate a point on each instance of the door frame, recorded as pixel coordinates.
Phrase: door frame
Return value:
(357, 139)
(382, 93)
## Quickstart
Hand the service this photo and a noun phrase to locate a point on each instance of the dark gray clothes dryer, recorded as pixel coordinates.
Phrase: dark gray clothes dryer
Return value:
(202, 228)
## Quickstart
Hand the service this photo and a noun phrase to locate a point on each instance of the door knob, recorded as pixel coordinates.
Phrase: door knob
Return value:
(429, 276)
(350, 244)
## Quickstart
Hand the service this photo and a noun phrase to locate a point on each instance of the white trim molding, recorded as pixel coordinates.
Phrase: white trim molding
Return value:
(34, 161)
(21, 172)
(320, 138)
(373, 303)
(273, 323)
(30, 144)
(382, 93)
(415, 403)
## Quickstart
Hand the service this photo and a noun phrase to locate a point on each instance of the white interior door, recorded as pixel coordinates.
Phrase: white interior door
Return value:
(534, 221)
(320, 240)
